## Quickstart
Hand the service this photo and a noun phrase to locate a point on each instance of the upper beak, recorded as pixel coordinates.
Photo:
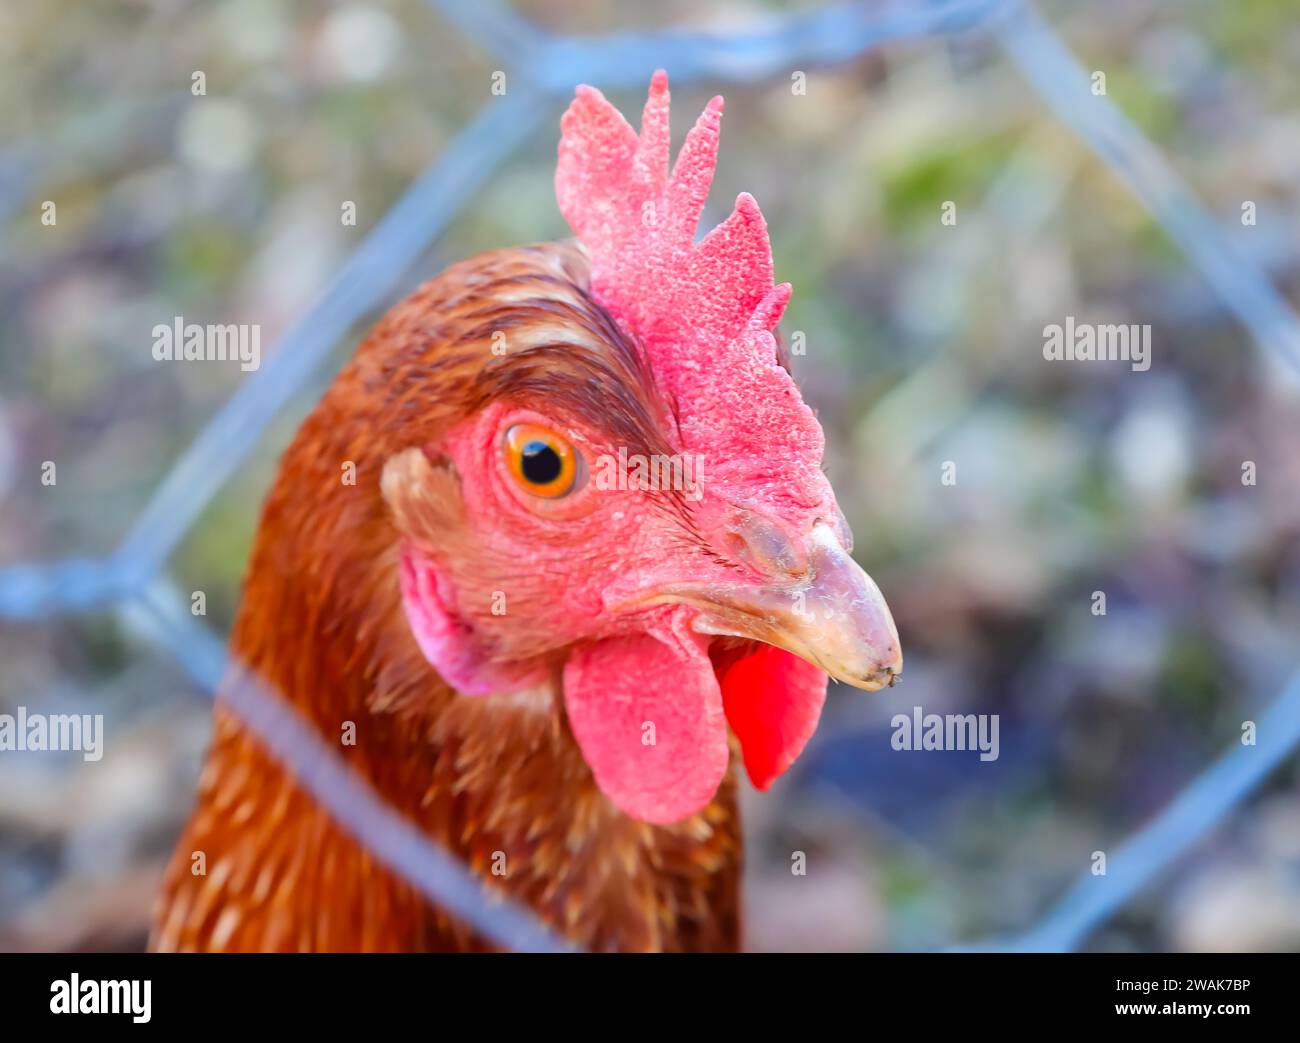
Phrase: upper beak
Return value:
(818, 604)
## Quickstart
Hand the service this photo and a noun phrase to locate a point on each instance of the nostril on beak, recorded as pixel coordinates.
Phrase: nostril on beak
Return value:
(766, 547)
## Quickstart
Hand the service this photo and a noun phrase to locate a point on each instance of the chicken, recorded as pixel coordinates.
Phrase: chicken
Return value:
(589, 559)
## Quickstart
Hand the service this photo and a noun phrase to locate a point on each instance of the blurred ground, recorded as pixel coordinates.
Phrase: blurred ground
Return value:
(923, 346)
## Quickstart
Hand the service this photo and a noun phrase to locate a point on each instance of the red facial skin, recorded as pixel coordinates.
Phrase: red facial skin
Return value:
(579, 583)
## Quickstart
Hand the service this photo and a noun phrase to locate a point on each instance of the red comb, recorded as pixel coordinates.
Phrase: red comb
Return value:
(704, 311)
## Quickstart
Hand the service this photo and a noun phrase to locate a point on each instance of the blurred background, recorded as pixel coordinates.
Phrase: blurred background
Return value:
(923, 345)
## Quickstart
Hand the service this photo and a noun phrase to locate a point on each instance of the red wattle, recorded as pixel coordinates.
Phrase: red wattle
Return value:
(647, 713)
(773, 700)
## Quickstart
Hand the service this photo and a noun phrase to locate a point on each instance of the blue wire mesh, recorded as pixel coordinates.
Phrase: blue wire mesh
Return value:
(549, 66)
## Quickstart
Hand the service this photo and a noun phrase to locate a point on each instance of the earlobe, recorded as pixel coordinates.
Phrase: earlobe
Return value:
(448, 643)
(429, 511)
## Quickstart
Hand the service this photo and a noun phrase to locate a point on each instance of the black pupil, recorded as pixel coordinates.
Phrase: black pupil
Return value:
(542, 464)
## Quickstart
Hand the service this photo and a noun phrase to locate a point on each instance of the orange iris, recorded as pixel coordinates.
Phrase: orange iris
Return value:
(541, 461)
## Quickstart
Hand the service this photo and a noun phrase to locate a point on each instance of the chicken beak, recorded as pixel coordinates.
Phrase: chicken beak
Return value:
(826, 610)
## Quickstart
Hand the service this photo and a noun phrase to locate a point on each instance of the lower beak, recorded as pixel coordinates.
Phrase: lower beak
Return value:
(832, 615)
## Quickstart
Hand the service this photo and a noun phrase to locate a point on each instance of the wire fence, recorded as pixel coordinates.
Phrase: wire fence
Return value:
(544, 70)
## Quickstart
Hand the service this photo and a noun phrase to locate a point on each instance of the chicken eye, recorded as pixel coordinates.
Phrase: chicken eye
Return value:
(541, 461)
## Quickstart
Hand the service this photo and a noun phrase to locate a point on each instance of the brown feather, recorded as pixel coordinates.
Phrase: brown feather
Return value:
(498, 780)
